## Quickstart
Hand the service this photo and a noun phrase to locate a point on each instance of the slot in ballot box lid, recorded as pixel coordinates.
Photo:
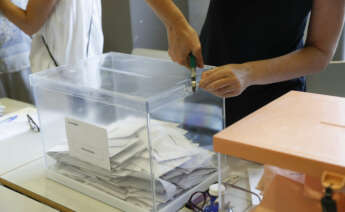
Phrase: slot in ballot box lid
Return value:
(299, 131)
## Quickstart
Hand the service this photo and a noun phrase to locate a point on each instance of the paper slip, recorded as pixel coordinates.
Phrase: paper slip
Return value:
(116, 146)
(125, 128)
(165, 149)
(129, 153)
(16, 123)
(88, 142)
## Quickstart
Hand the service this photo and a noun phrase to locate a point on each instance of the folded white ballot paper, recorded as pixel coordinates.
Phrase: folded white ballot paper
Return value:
(88, 142)
(116, 159)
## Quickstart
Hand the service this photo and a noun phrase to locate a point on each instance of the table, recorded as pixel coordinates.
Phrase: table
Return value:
(9, 200)
(21, 149)
(32, 177)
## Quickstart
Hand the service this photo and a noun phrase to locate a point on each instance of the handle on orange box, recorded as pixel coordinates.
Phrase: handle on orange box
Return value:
(331, 181)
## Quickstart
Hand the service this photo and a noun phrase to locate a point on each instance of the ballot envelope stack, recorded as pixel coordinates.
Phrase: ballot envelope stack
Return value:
(128, 131)
(178, 164)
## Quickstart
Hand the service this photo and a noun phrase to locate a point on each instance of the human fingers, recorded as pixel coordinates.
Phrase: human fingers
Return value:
(215, 75)
(224, 91)
(219, 84)
(198, 56)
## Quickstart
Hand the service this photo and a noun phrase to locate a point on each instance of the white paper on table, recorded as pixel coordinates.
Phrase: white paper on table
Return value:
(16, 123)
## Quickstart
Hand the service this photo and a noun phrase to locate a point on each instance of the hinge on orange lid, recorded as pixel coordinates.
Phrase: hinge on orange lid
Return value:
(333, 180)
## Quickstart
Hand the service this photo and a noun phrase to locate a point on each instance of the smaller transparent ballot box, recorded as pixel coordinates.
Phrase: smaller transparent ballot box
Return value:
(128, 130)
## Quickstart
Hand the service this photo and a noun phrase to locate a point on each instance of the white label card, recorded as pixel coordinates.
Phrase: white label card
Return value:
(88, 142)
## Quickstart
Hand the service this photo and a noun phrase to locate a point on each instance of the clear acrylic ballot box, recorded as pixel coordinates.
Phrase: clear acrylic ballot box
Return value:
(128, 130)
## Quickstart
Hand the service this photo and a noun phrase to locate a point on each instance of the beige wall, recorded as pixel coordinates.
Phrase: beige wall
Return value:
(147, 30)
(197, 13)
(131, 24)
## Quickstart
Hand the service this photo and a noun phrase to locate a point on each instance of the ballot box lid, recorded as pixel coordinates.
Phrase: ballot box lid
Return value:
(135, 82)
(299, 131)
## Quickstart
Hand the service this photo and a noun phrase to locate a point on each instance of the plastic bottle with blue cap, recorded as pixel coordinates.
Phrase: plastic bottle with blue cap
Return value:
(213, 192)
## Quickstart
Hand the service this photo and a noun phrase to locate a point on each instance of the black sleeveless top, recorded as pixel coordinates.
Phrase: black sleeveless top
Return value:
(237, 31)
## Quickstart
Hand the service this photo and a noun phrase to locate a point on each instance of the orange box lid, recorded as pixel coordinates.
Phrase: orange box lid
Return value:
(299, 131)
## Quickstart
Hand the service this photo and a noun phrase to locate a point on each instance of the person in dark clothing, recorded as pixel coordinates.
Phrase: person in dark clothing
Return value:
(257, 46)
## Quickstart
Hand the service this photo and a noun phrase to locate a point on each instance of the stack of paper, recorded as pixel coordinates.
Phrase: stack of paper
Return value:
(177, 163)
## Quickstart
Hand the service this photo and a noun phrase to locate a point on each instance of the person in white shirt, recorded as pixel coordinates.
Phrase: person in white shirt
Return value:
(64, 31)
(14, 59)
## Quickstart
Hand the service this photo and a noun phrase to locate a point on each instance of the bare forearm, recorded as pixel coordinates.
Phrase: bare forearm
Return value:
(183, 39)
(168, 12)
(302, 62)
(326, 22)
(15, 14)
(320, 46)
(31, 19)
